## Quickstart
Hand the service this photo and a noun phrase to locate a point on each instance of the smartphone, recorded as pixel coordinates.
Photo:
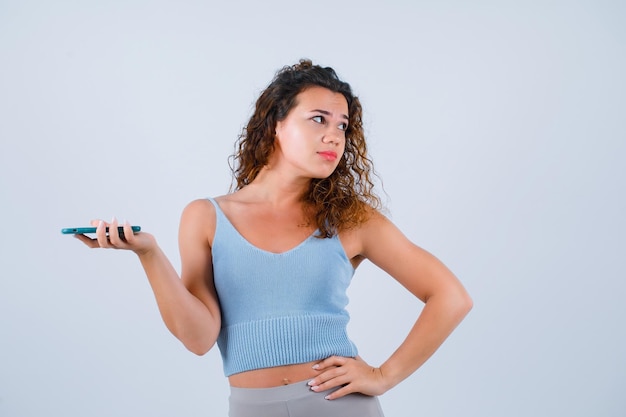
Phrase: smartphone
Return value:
(84, 230)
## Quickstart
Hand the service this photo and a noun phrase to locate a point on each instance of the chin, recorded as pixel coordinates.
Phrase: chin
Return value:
(321, 176)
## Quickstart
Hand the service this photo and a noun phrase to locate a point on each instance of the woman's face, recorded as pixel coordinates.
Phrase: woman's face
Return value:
(310, 141)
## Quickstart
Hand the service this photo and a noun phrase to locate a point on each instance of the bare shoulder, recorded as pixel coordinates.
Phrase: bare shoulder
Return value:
(198, 219)
(363, 239)
(376, 226)
(199, 206)
(380, 240)
(200, 210)
(375, 220)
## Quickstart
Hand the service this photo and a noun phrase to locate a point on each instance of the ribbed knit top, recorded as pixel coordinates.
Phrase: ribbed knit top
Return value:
(279, 308)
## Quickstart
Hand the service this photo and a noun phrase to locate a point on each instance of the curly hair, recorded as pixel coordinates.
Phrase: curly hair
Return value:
(343, 200)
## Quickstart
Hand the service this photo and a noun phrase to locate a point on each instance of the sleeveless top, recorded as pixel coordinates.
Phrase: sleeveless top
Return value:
(279, 308)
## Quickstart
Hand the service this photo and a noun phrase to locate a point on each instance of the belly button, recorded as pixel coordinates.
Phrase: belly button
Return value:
(285, 381)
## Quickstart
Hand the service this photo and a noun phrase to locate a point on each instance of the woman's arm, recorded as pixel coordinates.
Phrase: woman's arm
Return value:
(188, 305)
(446, 304)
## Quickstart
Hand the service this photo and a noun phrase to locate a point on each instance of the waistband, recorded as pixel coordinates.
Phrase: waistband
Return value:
(280, 393)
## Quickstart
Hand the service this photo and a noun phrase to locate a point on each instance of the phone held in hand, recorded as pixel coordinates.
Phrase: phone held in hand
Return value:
(85, 230)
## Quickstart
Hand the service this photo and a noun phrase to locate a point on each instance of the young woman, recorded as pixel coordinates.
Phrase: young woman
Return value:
(265, 268)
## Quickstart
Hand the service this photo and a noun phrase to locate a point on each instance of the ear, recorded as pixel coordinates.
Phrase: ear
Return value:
(276, 131)
(280, 125)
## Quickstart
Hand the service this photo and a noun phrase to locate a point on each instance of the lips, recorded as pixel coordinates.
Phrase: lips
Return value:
(328, 155)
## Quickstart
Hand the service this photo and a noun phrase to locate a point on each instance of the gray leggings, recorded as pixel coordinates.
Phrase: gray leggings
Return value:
(297, 400)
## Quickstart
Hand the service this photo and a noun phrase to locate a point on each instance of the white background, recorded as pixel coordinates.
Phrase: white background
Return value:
(498, 129)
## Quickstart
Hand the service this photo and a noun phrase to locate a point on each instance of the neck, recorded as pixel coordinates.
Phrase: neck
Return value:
(277, 189)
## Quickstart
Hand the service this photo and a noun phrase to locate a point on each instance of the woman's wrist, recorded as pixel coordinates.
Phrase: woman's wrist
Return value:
(149, 250)
(389, 378)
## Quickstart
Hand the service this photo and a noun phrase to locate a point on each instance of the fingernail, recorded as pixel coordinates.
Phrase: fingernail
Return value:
(315, 388)
(316, 366)
(310, 383)
(100, 223)
(327, 397)
(113, 220)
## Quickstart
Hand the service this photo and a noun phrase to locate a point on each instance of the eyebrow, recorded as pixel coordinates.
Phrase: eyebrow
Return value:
(327, 113)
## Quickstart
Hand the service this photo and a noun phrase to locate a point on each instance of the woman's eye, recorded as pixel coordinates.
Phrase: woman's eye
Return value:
(318, 119)
(343, 126)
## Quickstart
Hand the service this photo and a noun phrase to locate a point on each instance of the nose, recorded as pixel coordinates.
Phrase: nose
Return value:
(334, 136)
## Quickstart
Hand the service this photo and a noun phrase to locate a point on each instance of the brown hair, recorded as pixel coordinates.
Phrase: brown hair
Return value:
(341, 201)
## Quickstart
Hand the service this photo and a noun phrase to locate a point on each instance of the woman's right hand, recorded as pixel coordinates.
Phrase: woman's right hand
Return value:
(141, 242)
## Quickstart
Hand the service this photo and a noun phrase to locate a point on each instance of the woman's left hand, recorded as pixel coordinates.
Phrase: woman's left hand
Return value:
(351, 374)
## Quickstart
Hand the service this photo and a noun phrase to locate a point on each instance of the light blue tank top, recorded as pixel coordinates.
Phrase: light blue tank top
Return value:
(279, 309)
